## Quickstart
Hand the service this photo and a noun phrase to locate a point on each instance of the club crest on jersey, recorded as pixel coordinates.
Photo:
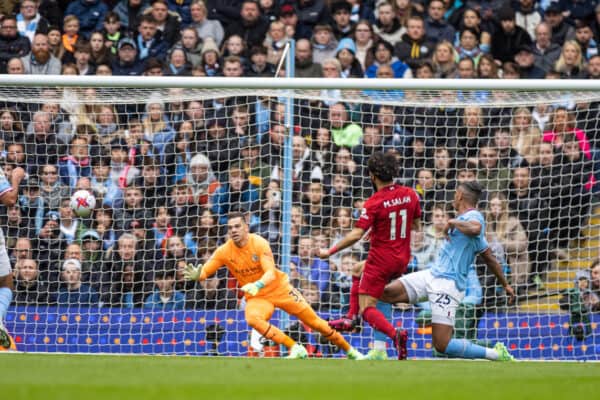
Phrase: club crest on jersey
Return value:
(254, 258)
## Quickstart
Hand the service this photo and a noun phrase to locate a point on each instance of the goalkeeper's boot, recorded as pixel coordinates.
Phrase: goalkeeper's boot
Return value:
(354, 354)
(5, 341)
(297, 352)
(345, 324)
(377, 354)
(400, 343)
(503, 354)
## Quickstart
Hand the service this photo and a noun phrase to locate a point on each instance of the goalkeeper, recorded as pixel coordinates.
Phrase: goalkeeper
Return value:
(250, 260)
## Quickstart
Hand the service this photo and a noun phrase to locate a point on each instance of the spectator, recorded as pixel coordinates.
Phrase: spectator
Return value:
(316, 208)
(525, 59)
(545, 50)
(77, 163)
(90, 14)
(344, 132)
(190, 43)
(414, 46)
(70, 227)
(275, 42)
(201, 179)
(157, 127)
(312, 13)
(15, 65)
(29, 21)
(210, 58)
(343, 26)
(363, 38)
(305, 265)
(129, 12)
(258, 63)
(305, 67)
(436, 27)
(525, 135)
(40, 60)
(562, 124)
(527, 16)
(132, 209)
(444, 60)
(382, 53)
(82, 55)
(12, 43)
(324, 43)
(584, 36)
(532, 211)
(471, 18)
(289, 18)
(492, 175)
(510, 38)
(123, 278)
(91, 258)
(252, 27)
(341, 224)
(182, 208)
(167, 21)
(75, 293)
(561, 30)
(258, 171)
(149, 40)
(434, 236)
(571, 63)
(43, 144)
(29, 289)
(237, 192)
(487, 67)
(387, 26)
(205, 27)
(126, 62)
(469, 45)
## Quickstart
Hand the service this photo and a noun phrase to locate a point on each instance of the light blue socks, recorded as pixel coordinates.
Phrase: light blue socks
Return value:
(462, 348)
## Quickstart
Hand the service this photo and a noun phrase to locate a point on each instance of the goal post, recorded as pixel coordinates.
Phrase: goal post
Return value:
(168, 158)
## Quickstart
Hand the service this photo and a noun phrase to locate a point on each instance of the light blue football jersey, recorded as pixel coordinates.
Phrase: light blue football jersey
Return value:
(4, 184)
(459, 251)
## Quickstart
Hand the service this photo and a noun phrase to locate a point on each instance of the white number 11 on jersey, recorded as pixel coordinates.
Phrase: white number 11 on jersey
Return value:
(393, 218)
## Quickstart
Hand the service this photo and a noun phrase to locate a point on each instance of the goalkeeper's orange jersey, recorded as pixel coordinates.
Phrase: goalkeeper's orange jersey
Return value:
(247, 264)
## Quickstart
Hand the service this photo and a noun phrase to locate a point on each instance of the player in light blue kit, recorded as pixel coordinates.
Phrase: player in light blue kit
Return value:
(445, 282)
(9, 192)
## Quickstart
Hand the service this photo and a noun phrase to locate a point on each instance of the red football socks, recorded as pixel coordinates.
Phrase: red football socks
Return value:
(353, 309)
(377, 320)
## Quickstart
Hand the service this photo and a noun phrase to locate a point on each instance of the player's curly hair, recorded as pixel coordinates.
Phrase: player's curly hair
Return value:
(383, 166)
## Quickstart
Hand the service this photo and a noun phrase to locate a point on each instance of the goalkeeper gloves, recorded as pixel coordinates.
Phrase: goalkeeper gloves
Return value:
(191, 272)
(253, 288)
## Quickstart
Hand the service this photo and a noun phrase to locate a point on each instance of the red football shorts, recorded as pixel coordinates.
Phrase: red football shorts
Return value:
(374, 278)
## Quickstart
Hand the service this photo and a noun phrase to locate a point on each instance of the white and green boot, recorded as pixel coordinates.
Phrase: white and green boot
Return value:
(297, 352)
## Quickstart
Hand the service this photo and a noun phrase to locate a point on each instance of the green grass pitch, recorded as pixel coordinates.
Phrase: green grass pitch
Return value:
(33, 376)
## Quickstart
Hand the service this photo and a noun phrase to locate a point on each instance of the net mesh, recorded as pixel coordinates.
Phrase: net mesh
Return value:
(167, 165)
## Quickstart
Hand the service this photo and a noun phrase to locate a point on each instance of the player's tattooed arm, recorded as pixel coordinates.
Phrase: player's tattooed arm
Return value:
(469, 228)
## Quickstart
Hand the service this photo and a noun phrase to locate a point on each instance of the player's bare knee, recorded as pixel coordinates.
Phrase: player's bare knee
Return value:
(440, 344)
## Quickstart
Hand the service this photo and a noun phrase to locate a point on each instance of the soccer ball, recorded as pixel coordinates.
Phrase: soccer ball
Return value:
(82, 203)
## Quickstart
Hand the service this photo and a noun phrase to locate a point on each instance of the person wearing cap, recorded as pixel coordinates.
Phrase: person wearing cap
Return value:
(74, 293)
(126, 62)
(525, 59)
(387, 26)
(252, 26)
(91, 257)
(289, 18)
(346, 55)
(210, 57)
(323, 43)
(561, 30)
(507, 40)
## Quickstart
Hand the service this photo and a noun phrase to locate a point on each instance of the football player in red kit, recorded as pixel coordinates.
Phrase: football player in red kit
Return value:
(390, 215)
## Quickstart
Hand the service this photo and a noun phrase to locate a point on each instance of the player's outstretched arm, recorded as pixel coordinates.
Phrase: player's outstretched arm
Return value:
(469, 228)
(10, 197)
(495, 267)
(347, 241)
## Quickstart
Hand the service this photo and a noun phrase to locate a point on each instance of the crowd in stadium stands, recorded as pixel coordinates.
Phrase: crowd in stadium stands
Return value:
(167, 174)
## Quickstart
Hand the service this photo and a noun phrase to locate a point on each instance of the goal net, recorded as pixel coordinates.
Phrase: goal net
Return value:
(167, 164)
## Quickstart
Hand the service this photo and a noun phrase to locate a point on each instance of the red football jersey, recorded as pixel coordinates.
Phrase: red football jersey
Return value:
(390, 213)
